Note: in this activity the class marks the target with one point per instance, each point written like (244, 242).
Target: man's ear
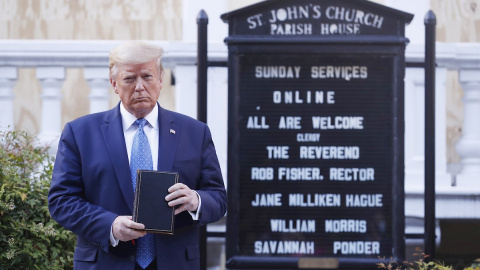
(114, 85)
(162, 75)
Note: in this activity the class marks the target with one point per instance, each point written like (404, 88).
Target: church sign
(316, 134)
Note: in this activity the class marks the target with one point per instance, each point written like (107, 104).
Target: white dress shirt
(151, 130)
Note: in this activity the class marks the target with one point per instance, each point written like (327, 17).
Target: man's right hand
(123, 228)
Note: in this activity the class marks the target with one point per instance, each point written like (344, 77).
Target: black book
(150, 206)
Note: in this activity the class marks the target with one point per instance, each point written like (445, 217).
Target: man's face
(138, 86)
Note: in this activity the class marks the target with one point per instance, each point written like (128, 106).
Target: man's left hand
(183, 197)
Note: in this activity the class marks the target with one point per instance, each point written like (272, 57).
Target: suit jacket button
(132, 258)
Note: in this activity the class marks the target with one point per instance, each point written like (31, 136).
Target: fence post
(202, 22)
(430, 23)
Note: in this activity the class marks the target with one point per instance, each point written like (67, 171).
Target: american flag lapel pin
(172, 131)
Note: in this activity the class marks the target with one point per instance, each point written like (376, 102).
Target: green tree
(29, 237)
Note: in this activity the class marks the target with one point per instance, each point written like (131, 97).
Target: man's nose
(139, 85)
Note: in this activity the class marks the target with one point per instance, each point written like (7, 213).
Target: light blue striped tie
(141, 158)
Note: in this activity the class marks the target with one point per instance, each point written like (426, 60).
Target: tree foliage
(29, 237)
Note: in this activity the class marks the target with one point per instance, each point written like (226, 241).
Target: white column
(186, 90)
(98, 80)
(468, 146)
(8, 78)
(415, 130)
(217, 113)
(442, 177)
(51, 80)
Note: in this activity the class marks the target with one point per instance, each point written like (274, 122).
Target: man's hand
(183, 197)
(123, 228)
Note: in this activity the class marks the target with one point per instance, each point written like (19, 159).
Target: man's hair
(135, 52)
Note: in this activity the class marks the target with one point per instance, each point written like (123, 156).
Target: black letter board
(315, 134)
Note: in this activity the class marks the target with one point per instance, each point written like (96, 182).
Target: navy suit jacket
(91, 186)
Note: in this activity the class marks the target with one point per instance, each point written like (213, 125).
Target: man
(92, 189)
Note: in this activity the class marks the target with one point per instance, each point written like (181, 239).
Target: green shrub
(421, 262)
(29, 237)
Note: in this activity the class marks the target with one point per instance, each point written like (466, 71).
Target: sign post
(316, 134)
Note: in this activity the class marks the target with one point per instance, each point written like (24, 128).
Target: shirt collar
(129, 119)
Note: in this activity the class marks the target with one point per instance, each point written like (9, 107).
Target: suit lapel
(168, 133)
(113, 136)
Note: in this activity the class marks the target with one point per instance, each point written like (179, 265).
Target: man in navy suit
(92, 193)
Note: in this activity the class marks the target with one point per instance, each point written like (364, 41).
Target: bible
(150, 206)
